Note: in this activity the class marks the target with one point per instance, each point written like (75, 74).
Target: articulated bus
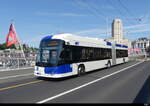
(66, 55)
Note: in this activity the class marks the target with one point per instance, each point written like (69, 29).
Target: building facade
(142, 43)
(117, 33)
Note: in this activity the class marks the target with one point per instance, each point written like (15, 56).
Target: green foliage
(25, 47)
(3, 46)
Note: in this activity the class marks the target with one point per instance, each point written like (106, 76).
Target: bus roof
(83, 41)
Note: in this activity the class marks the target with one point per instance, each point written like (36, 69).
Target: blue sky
(35, 19)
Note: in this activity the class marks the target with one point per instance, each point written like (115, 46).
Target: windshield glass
(49, 52)
(53, 57)
(47, 57)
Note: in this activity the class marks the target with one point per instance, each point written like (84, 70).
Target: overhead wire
(119, 11)
(128, 11)
(92, 9)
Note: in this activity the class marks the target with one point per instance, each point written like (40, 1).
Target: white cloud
(72, 14)
(97, 32)
(59, 14)
(137, 28)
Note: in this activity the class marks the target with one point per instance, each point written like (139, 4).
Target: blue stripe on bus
(47, 38)
(125, 46)
(109, 43)
(118, 45)
(59, 69)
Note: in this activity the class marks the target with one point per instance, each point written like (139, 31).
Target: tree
(3, 46)
(25, 47)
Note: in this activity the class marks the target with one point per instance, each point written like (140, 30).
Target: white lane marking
(2, 78)
(69, 91)
(5, 70)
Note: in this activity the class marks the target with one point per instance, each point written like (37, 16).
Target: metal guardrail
(14, 59)
(16, 63)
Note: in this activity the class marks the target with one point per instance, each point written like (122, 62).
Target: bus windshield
(48, 54)
(47, 57)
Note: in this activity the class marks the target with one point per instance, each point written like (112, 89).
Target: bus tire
(108, 64)
(81, 70)
(124, 60)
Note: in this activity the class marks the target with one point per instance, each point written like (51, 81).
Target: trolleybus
(66, 55)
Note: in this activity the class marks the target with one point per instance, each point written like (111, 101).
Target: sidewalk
(140, 59)
(8, 69)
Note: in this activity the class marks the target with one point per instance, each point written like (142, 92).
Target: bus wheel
(124, 60)
(81, 70)
(108, 64)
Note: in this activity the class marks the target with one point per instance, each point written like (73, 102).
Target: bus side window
(66, 55)
(62, 55)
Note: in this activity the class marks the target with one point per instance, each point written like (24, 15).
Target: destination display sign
(53, 43)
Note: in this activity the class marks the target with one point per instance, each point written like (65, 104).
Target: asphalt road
(125, 83)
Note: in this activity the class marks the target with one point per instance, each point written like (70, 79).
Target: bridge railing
(15, 60)
(16, 63)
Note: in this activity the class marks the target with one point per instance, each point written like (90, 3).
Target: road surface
(125, 83)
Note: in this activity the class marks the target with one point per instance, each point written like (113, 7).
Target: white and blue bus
(66, 55)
